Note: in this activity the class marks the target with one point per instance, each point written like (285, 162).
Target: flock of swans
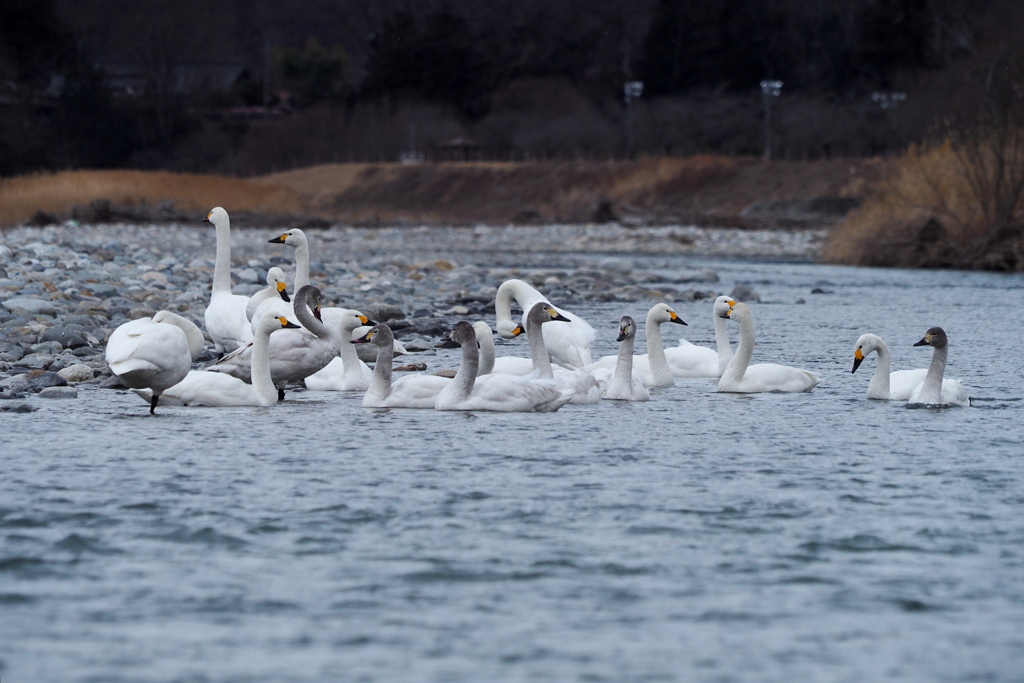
(271, 340)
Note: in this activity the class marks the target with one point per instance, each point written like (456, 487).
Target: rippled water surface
(698, 537)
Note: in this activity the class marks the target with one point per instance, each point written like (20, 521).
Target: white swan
(585, 387)
(741, 377)
(225, 316)
(506, 393)
(568, 343)
(346, 372)
(935, 391)
(154, 353)
(410, 391)
(203, 388)
(296, 354)
(625, 383)
(277, 291)
(689, 360)
(653, 366)
(886, 385)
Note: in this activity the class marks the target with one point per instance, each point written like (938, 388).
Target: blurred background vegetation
(251, 87)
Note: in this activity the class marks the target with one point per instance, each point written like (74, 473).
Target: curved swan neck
(465, 377)
(879, 386)
(656, 350)
(222, 266)
(624, 362)
(538, 352)
(347, 352)
(486, 343)
(380, 383)
(741, 359)
(259, 369)
(307, 319)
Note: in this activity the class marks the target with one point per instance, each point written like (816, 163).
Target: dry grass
(56, 194)
(925, 215)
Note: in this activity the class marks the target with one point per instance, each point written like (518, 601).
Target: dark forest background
(252, 86)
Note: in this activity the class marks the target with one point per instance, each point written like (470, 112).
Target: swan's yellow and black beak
(518, 330)
(287, 324)
(858, 358)
(726, 314)
(278, 240)
(925, 341)
(622, 334)
(366, 321)
(555, 315)
(316, 313)
(673, 318)
(207, 219)
(282, 289)
(366, 338)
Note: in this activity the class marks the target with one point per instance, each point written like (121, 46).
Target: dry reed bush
(56, 194)
(927, 214)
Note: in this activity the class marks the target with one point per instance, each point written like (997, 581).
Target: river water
(697, 537)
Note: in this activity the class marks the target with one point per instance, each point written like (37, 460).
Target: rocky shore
(65, 288)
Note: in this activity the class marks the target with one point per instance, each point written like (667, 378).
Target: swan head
(218, 216)
(271, 324)
(482, 329)
(723, 304)
(663, 313)
(627, 328)
(462, 333)
(543, 313)
(866, 344)
(275, 278)
(293, 238)
(935, 337)
(380, 334)
(352, 320)
(738, 311)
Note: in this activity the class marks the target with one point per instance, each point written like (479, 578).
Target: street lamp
(769, 91)
(631, 90)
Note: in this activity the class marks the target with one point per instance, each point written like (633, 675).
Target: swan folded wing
(764, 377)
(903, 382)
(414, 391)
(690, 360)
(336, 377)
(201, 388)
(517, 394)
(512, 365)
(952, 393)
(294, 355)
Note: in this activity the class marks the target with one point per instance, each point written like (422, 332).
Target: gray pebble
(58, 392)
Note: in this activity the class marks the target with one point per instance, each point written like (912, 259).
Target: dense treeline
(518, 78)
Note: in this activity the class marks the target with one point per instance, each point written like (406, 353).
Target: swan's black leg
(152, 404)
(280, 394)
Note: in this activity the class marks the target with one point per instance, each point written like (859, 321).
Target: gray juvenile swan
(410, 391)
(934, 391)
(507, 393)
(653, 365)
(625, 383)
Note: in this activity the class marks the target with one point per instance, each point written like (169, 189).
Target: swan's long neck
(380, 383)
(350, 357)
(503, 305)
(301, 265)
(722, 343)
(486, 342)
(222, 266)
(462, 384)
(538, 352)
(879, 385)
(931, 391)
(256, 299)
(737, 366)
(307, 319)
(259, 368)
(660, 369)
(624, 363)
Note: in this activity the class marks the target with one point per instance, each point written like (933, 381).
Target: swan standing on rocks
(506, 393)
(585, 387)
(689, 360)
(886, 385)
(410, 391)
(742, 377)
(225, 318)
(293, 355)
(203, 388)
(346, 372)
(653, 365)
(934, 391)
(568, 344)
(276, 290)
(626, 384)
(154, 353)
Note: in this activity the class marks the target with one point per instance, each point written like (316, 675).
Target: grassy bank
(702, 189)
